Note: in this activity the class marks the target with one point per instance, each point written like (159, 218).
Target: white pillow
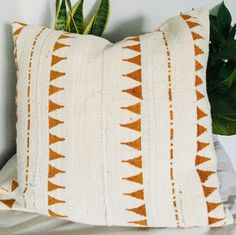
(117, 134)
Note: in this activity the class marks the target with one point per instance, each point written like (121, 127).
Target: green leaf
(232, 32)
(230, 79)
(228, 53)
(224, 20)
(99, 21)
(61, 15)
(76, 20)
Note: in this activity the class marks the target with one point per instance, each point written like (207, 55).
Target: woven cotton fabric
(117, 134)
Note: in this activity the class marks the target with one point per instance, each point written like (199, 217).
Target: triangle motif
(198, 65)
(140, 222)
(52, 186)
(136, 75)
(53, 171)
(54, 89)
(136, 39)
(200, 114)
(53, 201)
(64, 36)
(136, 144)
(199, 95)
(135, 60)
(198, 50)
(200, 130)
(59, 45)
(136, 48)
(141, 210)
(14, 185)
(212, 206)
(53, 214)
(204, 175)
(57, 59)
(201, 145)
(208, 190)
(53, 122)
(55, 74)
(54, 139)
(135, 91)
(186, 17)
(212, 220)
(196, 36)
(137, 162)
(9, 203)
(136, 126)
(54, 155)
(18, 31)
(199, 160)
(53, 106)
(136, 108)
(198, 81)
(138, 194)
(192, 24)
(136, 178)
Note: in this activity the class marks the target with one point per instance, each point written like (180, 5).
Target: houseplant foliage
(71, 19)
(221, 72)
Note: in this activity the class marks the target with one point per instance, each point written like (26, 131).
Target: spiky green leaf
(61, 15)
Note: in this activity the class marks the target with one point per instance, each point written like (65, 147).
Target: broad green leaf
(232, 32)
(230, 79)
(98, 23)
(216, 36)
(222, 126)
(61, 15)
(224, 20)
(76, 21)
(228, 53)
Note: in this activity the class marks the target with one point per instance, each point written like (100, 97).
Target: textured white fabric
(117, 134)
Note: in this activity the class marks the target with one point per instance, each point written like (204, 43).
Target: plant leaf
(98, 23)
(61, 15)
(224, 20)
(232, 32)
(230, 80)
(76, 19)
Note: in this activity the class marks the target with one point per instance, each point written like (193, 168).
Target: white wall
(128, 17)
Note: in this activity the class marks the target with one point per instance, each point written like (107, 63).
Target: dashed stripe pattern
(201, 130)
(135, 126)
(55, 123)
(171, 119)
(29, 109)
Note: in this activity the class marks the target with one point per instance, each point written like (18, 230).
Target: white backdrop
(128, 17)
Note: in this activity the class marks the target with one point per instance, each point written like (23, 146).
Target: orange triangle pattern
(14, 185)
(18, 31)
(212, 206)
(198, 81)
(53, 106)
(136, 178)
(199, 95)
(53, 122)
(133, 125)
(214, 220)
(54, 89)
(134, 47)
(136, 144)
(204, 175)
(55, 74)
(186, 17)
(54, 155)
(208, 190)
(135, 91)
(64, 36)
(198, 65)
(58, 46)
(197, 36)
(141, 210)
(192, 24)
(200, 130)
(200, 114)
(136, 108)
(138, 194)
(52, 186)
(199, 160)
(57, 59)
(53, 214)
(54, 139)
(53, 201)
(135, 60)
(201, 145)
(136, 75)
(136, 39)
(137, 162)
(140, 222)
(53, 171)
(9, 202)
(198, 50)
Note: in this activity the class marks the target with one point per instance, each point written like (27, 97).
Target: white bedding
(14, 222)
